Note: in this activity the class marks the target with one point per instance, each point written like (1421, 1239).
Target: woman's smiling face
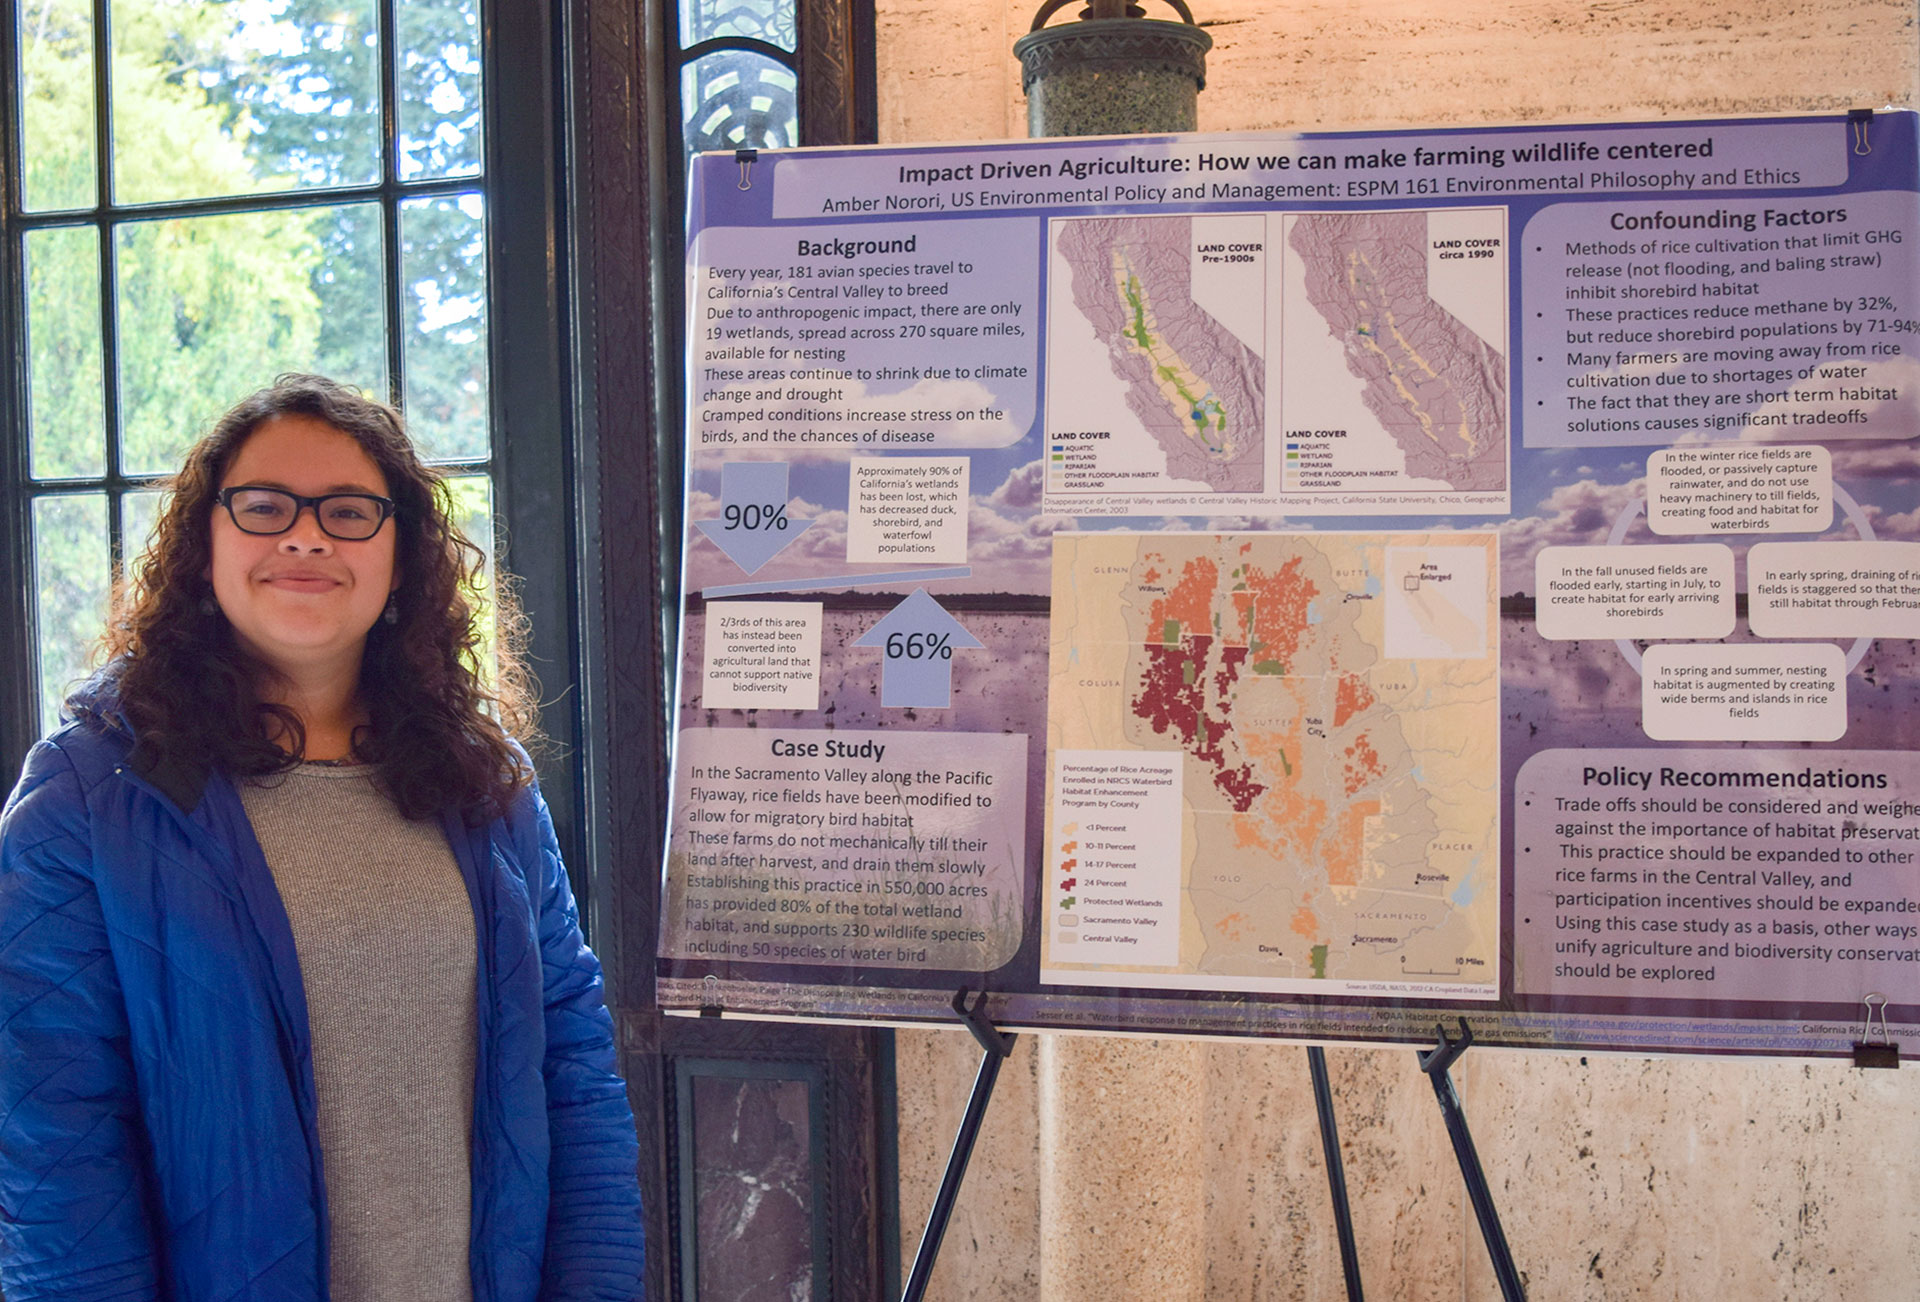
(302, 601)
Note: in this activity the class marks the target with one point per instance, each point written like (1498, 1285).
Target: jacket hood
(98, 702)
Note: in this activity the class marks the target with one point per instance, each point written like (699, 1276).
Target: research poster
(1310, 586)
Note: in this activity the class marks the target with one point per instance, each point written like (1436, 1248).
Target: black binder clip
(710, 996)
(745, 158)
(1875, 1047)
(1858, 120)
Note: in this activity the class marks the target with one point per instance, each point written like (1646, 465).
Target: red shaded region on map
(1174, 698)
(1231, 659)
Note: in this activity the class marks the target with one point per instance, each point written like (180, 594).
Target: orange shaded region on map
(1191, 601)
(1289, 821)
(1304, 923)
(1243, 615)
(1275, 611)
(1351, 696)
(1345, 846)
(1363, 764)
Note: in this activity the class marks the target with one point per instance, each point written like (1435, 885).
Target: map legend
(1116, 870)
(1313, 461)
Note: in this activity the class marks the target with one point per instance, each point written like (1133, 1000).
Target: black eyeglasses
(352, 517)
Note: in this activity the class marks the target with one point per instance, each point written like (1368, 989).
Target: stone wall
(1125, 1169)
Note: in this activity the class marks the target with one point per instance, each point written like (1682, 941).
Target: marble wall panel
(753, 1189)
(1123, 1130)
(992, 1249)
(1270, 1227)
(1622, 1177)
(947, 72)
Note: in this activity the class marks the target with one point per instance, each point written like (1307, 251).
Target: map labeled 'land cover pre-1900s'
(1176, 304)
(1274, 763)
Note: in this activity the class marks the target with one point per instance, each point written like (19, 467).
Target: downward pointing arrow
(918, 637)
(753, 527)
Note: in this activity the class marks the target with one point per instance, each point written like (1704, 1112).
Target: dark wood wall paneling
(626, 274)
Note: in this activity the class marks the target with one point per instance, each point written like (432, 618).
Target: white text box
(907, 509)
(1785, 692)
(1678, 590)
(762, 655)
(1844, 589)
(1740, 489)
(1114, 893)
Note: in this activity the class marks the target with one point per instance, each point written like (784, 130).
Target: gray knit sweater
(385, 936)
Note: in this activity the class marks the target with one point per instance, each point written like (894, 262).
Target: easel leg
(995, 1047)
(1336, 1170)
(1436, 1062)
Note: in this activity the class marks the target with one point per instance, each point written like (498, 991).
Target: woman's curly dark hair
(438, 736)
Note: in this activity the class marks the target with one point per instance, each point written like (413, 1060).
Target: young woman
(293, 1000)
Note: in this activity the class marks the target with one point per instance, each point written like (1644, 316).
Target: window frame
(631, 159)
(529, 393)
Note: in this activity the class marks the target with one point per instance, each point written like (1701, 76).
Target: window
(202, 194)
(738, 85)
(199, 194)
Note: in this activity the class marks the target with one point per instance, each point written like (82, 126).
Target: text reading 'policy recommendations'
(1770, 876)
(846, 849)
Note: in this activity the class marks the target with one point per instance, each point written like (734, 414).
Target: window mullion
(104, 228)
(102, 103)
(19, 715)
(386, 23)
(530, 417)
(268, 201)
(109, 272)
(117, 534)
(395, 302)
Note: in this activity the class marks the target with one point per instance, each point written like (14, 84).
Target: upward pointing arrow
(753, 527)
(917, 638)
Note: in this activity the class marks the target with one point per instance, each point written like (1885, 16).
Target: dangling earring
(391, 615)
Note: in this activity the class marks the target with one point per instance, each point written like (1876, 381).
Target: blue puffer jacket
(157, 1119)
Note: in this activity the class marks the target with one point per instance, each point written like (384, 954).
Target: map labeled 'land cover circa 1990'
(1274, 763)
(1380, 281)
